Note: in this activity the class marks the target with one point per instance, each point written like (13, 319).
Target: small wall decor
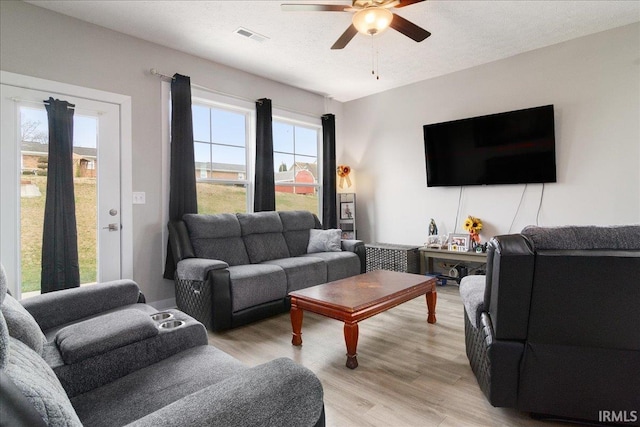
(346, 210)
(343, 174)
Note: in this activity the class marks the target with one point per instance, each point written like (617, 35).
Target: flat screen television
(515, 147)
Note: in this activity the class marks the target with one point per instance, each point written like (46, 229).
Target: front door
(23, 177)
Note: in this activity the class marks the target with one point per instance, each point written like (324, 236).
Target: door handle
(112, 227)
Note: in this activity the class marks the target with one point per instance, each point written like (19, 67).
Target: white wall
(44, 44)
(594, 84)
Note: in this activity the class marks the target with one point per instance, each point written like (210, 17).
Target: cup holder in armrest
(171, 324)
(161, 316)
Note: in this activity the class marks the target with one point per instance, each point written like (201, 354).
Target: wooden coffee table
(359, 297)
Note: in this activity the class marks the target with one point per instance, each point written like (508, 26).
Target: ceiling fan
(371, 17)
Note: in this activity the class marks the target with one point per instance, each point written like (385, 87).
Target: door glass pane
(33, 185)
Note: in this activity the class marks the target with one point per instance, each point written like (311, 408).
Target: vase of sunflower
(473, 226)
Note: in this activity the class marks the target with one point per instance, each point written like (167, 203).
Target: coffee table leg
(351, 339)
(296, 324)
(431, 306)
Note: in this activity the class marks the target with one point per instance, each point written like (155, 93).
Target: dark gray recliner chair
(193, 385)
(553, 328)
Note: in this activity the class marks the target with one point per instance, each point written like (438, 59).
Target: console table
(428, 254)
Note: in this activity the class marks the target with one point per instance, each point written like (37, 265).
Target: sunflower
(472, 224)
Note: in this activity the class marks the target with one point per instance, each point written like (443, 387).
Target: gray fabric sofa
(134, 375)
(552, 329)
(233, 269)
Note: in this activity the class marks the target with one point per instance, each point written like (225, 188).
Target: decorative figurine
(433, 229)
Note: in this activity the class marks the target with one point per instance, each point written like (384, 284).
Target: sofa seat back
(217, 237)
(262, 235)
(295, 227)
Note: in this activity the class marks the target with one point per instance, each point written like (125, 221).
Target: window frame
(296, 119)
(225, 103)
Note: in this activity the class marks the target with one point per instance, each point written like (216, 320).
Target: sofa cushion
(302, 272)
(262, 234)
(623, 237)
(37, 382)
(149, 389)
(324, 241)
(22, 325)
(296, 226)
(255, 284)
(101, 334)
(339, 264)
(217, 237)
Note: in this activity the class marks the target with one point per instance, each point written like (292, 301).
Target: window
(295, 157)
(220, 147)
(224, 151)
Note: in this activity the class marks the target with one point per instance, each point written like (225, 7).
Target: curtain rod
(30, 101)
(155, 72)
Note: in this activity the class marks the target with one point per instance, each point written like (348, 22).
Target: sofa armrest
(357, 247)
(198, 268)
(179, 241)
(277, 393)
(60, 307)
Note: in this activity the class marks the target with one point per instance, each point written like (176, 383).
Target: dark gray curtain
(265, 191)
(182, 180)
(60, 268)
(329, 207)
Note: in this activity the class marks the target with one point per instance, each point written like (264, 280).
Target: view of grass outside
(32, 221)
(212, 198)
(218, 198)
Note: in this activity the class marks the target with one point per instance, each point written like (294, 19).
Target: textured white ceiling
(464, 34)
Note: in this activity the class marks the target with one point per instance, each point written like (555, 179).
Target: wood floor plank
(410, 373)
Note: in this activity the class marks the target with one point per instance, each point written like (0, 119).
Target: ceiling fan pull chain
(372, 59)
(377, 64)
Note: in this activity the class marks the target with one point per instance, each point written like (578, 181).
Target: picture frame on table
(459, 242)
(348, 235)
(346, 210)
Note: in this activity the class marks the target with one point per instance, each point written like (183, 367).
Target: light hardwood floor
(410, 373)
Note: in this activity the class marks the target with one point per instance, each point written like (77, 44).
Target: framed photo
(348, 235)
(346, 210)
(459, 242)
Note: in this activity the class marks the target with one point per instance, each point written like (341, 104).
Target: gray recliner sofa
(98, 363)
(233, 269)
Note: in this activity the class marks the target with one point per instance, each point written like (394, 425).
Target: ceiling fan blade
(408, 28)
(345, 38)
(403, 3)
(312, 7)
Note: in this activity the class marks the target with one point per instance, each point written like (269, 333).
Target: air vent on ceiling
(251, 34)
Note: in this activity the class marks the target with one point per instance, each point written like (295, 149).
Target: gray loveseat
(233, 269)
(89, 368)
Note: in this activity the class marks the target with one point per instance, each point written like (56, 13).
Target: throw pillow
(324, 240)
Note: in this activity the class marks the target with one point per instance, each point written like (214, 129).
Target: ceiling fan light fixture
(372, 20)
